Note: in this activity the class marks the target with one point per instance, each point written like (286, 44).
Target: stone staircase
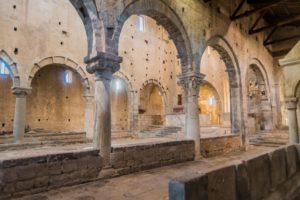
(273, 138)
(39, 138)
(159, 131)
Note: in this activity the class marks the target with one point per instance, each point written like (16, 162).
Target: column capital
(191, 82)
(20, 91)
(291, 103)
(102, 63)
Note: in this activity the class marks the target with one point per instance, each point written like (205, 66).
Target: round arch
(222, 46)
(66, 62)
(13, 68)
(129, 90)
(94, 27)
(255, 62)
(216, 101)
(161, 90)
(296, 88)
(164, 16)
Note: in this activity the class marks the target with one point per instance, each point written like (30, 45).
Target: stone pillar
(89, 115)
(103, 66)
(20, 113)
(291, 105)
(190, 83)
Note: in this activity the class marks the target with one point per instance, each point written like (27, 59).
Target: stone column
(20, 113)
(103, 66)
(89, 115)
(190, 83)
(291, 105)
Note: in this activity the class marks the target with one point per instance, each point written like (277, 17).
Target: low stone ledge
(29, 175)
(275, 174)
(220, 145)
(128, 159)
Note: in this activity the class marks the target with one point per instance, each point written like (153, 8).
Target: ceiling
(282, 22)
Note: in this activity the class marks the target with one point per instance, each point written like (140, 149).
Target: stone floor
(152, 184)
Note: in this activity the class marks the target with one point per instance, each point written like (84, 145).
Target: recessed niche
(14, 6)
(59, 23)
(61, 43)
(3, 124)
(16, 51)
(39, 120)
(69, 120)
(15, 28)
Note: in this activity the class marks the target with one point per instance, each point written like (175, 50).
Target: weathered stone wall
(52, 102)
(30, 175)
(128, 159)
(274, 175)
(7, 104)
(220, 145)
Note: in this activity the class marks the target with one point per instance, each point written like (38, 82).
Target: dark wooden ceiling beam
(206, 1)
(280, 53)
(283, 22)
(282, 40)
(247, 13)
(270, 35)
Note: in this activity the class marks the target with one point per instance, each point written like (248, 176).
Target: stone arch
(166, 17)
(121, 75)
(161, 89)
(219, 101)
(63, 61)
(13, 68)
(88, 11)
(257, 63)
(215, 89)
(130, 95)
(222, 46)
(296, 87)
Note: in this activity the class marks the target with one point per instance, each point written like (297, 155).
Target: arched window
(141, 23)
(3, 68)
(68, 76)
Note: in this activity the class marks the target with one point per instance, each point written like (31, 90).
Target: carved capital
(21, 92)
(103, 62)
(190, 82)
(291, 103)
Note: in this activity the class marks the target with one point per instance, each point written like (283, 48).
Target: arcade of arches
(104, 75)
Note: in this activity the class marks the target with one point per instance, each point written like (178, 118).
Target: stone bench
(270, 176)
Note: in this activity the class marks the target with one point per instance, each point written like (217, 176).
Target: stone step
(160, 132)
(266, 138)
(10, 147)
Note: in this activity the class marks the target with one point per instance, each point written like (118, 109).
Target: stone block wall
(270, 176)
(215, 146)
(31, 175)
(147, 156)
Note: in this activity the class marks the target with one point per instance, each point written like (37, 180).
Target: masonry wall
(217, 146)
(128, 159)
(55, 104)
(7, 104)
(31, 175)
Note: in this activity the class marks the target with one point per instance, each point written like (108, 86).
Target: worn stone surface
(292, 159)
(278, 167)
(216, 146)
(222, 184)
(259, 172)
(30, 175)
(189, 188)
(128, 159)
(242, 182)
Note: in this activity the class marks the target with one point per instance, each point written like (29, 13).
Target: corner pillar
(20, 113)
(190, 83)
(291, 105)
(103, 66)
